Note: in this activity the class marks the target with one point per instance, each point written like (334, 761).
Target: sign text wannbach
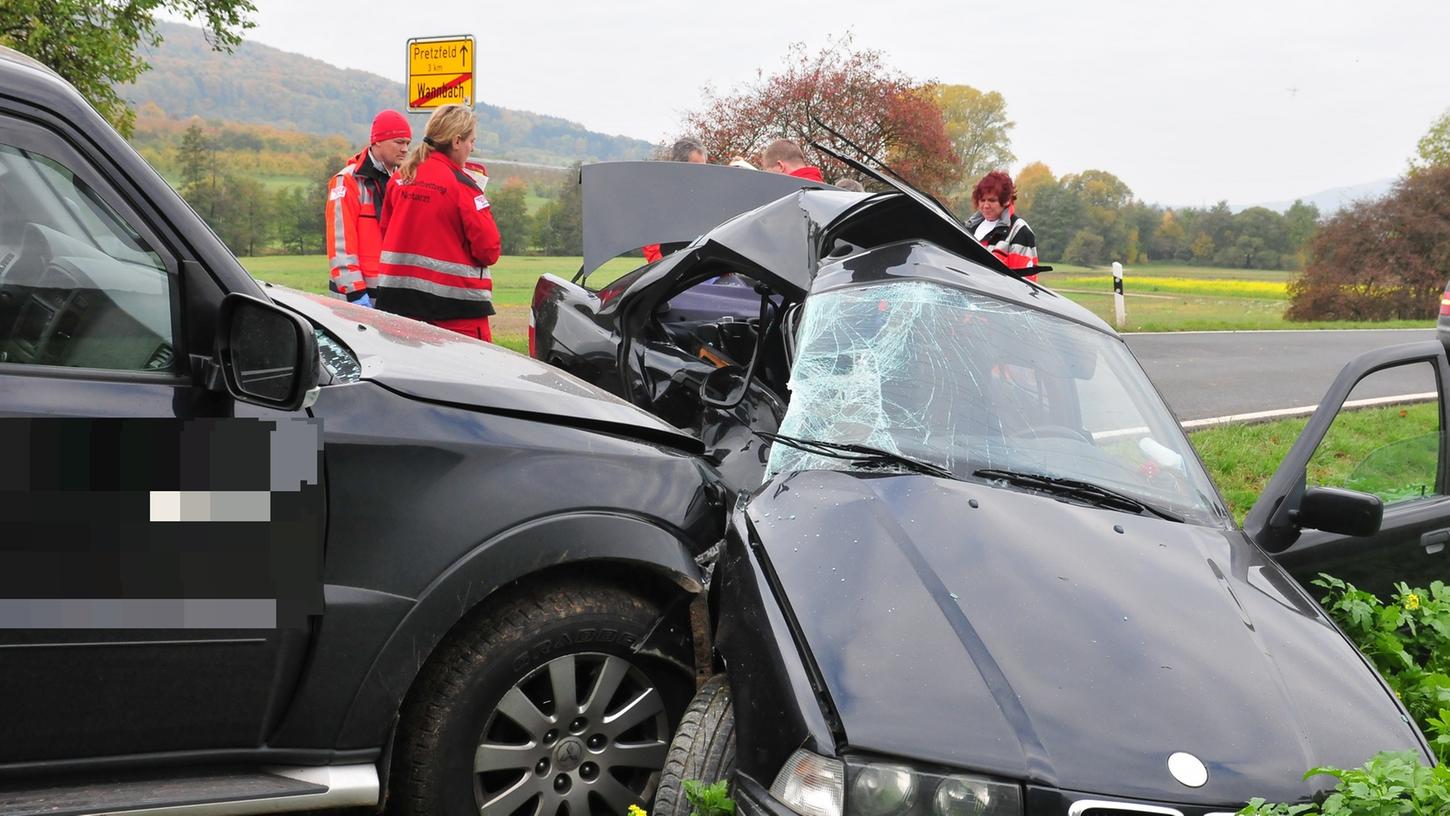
(440, 72)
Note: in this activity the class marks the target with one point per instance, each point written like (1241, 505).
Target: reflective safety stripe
(346, 272)
(425, 262)
(386, 281)
(1019, 249)
(364, 194)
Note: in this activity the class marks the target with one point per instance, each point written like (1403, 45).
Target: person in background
(785, 156)
(354, 201)
(685, 150)
(850, 185)
(439, 238)
(997, 227)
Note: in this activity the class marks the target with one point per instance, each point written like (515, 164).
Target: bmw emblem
(1188, 769)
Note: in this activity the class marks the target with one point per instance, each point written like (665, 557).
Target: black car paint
(1075, 656)
(450, 469)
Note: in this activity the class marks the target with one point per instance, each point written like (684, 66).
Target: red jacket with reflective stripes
(438, 241)
(354, 238)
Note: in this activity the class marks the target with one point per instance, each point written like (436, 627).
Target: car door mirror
(724, 387)
(1341, 511)
(268, 355)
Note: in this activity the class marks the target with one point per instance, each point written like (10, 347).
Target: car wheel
(703, 747)
(537, 706)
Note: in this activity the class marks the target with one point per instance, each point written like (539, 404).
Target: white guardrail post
(1119, 310)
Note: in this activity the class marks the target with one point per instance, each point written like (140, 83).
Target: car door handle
(1434, 541)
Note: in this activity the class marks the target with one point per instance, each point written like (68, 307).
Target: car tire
(703, 747)
(483, 733)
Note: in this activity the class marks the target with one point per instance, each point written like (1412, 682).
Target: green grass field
(1387, 451)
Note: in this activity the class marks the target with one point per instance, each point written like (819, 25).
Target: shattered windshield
(968, 382)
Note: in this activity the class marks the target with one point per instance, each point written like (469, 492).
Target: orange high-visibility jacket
(354, 234)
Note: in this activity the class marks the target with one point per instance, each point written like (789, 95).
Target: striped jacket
(439, 240)
(354, 237)
(1012, 241)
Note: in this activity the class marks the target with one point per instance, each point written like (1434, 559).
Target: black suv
(264, 551)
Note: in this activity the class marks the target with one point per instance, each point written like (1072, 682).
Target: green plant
(1408, 640)
(1390, 784)
(709, 800)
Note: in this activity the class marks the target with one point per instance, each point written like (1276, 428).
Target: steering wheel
(1056, 432)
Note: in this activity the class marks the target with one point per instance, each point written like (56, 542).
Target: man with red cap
(354, 207)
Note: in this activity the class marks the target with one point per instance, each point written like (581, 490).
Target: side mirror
(268, 355)
(1336, 510)
(724, 387)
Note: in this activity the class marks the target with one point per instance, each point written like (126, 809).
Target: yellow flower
(636, 810)
(1412, 602)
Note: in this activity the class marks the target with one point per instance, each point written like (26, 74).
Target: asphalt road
(1213, 374)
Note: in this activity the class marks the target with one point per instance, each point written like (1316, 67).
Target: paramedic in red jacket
(785, 156)
(439, 238)
(354, 199)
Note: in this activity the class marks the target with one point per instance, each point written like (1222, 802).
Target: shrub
(1380, 260)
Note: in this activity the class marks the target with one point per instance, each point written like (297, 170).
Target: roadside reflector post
(1119, 310)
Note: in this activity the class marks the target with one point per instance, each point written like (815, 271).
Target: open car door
(1380, 432)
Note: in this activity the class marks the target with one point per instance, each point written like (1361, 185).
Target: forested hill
(264, 85)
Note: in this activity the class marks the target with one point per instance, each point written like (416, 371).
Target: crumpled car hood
(1026, 637)
(433, 364)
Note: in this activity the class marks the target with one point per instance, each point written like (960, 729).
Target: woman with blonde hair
(439, 238)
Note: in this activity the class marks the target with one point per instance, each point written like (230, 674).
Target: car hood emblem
(1188, 769)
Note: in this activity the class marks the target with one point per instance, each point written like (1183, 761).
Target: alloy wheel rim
(582, 734)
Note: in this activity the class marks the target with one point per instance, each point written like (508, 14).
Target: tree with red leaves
(1380, 260)
(853, 91)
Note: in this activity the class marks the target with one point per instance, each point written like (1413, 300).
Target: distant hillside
(1335, 199)
(264, 85)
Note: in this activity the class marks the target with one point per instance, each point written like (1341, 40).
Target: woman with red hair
(998, 227)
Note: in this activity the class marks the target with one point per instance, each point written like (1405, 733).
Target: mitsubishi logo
(568, 754)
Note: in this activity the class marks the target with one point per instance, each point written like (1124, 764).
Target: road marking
(1274, 331)
(1266, 416)
(1304, 410)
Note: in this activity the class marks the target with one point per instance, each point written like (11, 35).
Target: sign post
(440, 72)
(1119, 311)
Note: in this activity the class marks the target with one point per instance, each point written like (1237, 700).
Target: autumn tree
(885, 112)
(977, 125)
(1384, 260)
(1433, 149)
(94, 43)
(1034, 177)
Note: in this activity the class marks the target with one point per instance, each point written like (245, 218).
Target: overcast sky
(1188, 103)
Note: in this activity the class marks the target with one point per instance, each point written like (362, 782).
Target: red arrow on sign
(440, 90)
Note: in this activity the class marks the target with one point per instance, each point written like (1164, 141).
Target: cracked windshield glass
(969, 382)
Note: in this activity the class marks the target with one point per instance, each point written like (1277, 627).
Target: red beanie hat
(390, 125)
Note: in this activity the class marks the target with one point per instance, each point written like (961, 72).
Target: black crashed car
(974, 567)
(263, 551)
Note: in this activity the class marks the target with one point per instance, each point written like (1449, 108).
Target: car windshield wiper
(861, 454)
(1086, 491)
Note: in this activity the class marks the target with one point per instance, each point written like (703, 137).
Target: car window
(79, 285)
(1386, 438)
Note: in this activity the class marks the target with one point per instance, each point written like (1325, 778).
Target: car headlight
(814, 785)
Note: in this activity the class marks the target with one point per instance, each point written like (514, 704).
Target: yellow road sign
(440, 72)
